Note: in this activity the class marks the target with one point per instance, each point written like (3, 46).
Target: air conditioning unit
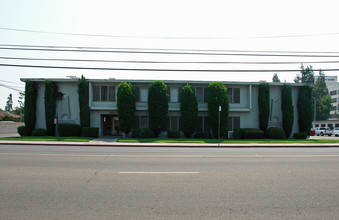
(230, 134)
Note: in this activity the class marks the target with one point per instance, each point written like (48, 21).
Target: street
(65, 182)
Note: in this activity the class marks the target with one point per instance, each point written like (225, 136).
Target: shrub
(126, 106)
(39, 132)
(30, 106)
(68, 129)
(305, 109)
(264, 105)
(173, 134)
(217, 96)
(189, 110)
(157, 106)
(202, 134)
(83, 91)
(287, 109)
(90, 132)
(300, 135)
(275, 133)
(248, 133)
(141, 133)
(22, 130)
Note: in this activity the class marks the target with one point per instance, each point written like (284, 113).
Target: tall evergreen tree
(323, 99)
(126, 106)
(83, 91)
(306, 75)
(275, 78)
(305, 109)
(189, 110)
(50, 105)
(287, 109)
(157, 106)
(9, 103)
(264, 105)
(30, 106)
(217, 96)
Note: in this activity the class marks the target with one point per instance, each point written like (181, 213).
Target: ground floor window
(233, 123)
(203, 124)
(174, 123)
(140, 121)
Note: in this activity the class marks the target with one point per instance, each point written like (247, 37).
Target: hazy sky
(185, 24)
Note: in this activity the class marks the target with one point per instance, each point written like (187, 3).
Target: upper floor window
(141, 94)
(202, 94)
(104, 93)
(233, 95)
(174, 94)
(334, 92)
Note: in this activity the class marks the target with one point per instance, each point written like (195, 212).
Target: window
(141, 94)
(233, 123)
(104, 93)
(316, 125)
(140, 121)
(174, 94)
(233, 95)
(173, 123)
(202, 94)
(203, 124)
(334, 92)
(334, 108)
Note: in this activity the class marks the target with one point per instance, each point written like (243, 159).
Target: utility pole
(219, 125)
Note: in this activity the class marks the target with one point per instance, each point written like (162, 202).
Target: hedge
(173, 134)
(68, 129)
(202, 134)
(22, 130)
(275, 133)
(248, 133)
(141, 133)
(90, 132)
(39, 132)
(300, 135)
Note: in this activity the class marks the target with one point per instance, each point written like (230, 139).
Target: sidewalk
(106, 142)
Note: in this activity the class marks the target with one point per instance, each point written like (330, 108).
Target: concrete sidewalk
(105, 142)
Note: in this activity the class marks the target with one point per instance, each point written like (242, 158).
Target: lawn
(225, 141)
(48, 138)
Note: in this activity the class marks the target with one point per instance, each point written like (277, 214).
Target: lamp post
(315, 108)
(219, 125)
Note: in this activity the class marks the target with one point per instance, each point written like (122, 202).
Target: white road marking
(122, 172)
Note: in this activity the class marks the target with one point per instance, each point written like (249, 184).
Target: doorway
(110, 125)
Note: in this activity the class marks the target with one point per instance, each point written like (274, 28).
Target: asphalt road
(64, 182)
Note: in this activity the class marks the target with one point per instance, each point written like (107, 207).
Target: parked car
(323, 131)
(336, 132)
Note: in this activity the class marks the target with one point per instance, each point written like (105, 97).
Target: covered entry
(110, 125)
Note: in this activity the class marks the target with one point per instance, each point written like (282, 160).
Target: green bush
(39, 132)
(202, 134)
(22, 130)
(90, 132)
(141, 133)
(248, 133)
(68, 129)
(157, 106)
(188, 110)
(126, 106)
(83, 91)
(173, 134)
(275, 133)
(264, 105)
(217, 96)
(300, 135)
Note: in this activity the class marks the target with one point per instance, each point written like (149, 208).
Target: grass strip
(48, 138)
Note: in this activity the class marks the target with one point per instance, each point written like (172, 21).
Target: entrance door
(110, 125)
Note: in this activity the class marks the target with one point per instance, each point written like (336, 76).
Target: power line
(11, 87)
(166, 37)
(10, 82)
(166, 52)
(164, 49)
(164, 62)
(157, 70)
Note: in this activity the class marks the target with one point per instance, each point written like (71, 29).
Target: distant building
(328, 79)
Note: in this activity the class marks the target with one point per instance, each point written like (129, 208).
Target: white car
(336, 132)
(323, 131)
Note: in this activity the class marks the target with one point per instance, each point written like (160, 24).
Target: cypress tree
(126, 106)
(217, 96)
(305, 110)
(287, 109)
(189, 110)
(264, 105)
(50, 105)
(30, 106)
(83, 91)
(157, 106)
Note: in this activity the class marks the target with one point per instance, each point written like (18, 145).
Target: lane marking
(157, 172)
(169, 156)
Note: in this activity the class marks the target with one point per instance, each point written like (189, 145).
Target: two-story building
(243, 103)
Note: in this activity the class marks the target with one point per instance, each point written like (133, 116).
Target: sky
(189, 25)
